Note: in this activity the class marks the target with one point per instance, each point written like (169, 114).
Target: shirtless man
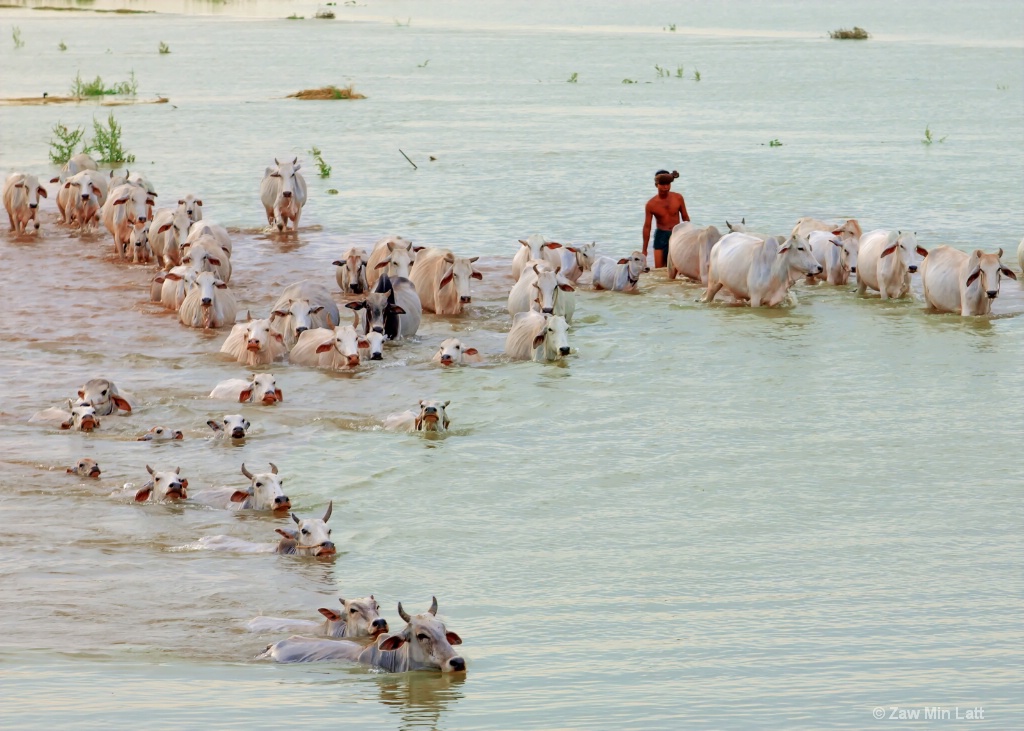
(668, 209)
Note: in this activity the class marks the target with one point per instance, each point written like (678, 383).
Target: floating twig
(407, 158)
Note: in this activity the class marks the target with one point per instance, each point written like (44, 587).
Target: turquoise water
(707, 517)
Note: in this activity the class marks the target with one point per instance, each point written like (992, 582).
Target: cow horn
(433, 605)
(330, 507)
(403, 614)
(295, 518)
(273, 468)
(149, 469)
(246, 472)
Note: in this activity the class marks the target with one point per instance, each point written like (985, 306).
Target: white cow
(337, 349)
(81, 417)
(283, 193)
(161, 434)
(358, 618)
(21, 199)
(577, 259)
(126, 207)
(1020, 254)
(351, 272)
(103, 396)
(85, 467)
(689, 251)
(622, 275)
(431, 416)
(424, 644)
(454, 352)
(83, 195)
(958, 282)
(313, 537)
(538, 337)
(541, 288)
(171, 287)
(885, 262)
(205, 254)
(442, 280)
(193, 208)
(533, 247)
(209, 304)
(393, 252)
(392, 309)
(209, 228)
(254, 343)
(759, 271)
(265, 492)
(837, 256)
(231, 426)
(374, 349)
(302, 306)
(163, 486)
(75, 165)
(169, 230)
(261, 388)
(138, 243)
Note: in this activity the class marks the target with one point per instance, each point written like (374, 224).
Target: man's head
(664, 178)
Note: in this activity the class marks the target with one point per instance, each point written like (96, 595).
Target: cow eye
(104, 392)
(328, 531)
(259, 484)
(305, 532)
(422, 637)
(159, 431)
(351, 611)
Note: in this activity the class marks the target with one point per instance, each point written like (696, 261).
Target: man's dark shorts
(661, 238)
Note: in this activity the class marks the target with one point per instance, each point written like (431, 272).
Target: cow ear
(453, 639)
(397, 309)
(164, 228)
(277, 336)
(324, 347)
(213, 425)
(921, 251)
(199, 203)
(566, 288)
(215, 262)
(538, 341)
(238, 496)
(470, 351)
(57, 179)
(524, 243)
(122, 404)
(623, 261)
(552, 245)
(329, 613)
(173, 277)
(356, 305)
(338, 263)
(1008, 272)
(973, 275)
(476, 275)
(446, 278)
(888, 251)
(280, 395)
(287, 533)
(181, 201)
(66, 425)
(245, 395)
(81, 393)
(383, 263)
(390, 642)
(42, 192)
(143, 495)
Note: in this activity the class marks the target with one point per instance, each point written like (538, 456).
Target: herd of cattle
(387, 291)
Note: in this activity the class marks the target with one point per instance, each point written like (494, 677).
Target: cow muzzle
(206, 302)
(353, 360)
(378, 627)
(94, 472)
(913, 268)
(253, 345)
(465, 300)
(853, 270)
(88, 423)
(300, 330)
(356, 288)
(992, 293)
(454, 665)
(326, 549)
(376, 356)
(287, 194)
(33, 206)
(176, 492)
(281, 502)
(85, 196)
(563, 350)
(447, 360)
(548, 310)
(270, 397)
(238, 433)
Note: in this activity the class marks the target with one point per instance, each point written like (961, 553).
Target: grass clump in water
(63, 46)
(774, 143)
(855, 34)
(323, 168)
(16, 35)
(82, 89)
(324, 14)
(163, 48)
(929, 139)
(328, 92)
(295, 16)
(573, 79)
(106, 142)
(64, 143)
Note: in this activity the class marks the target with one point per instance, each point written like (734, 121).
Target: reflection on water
(420, 698)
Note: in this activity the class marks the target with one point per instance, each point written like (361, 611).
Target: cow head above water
(432, 416)
(262, 388)
(312, 537)
(430, 642)
(460, 270)
(164, 486)
(234, 426)
(102, 395)
(266, 491)
(85, 467)
(359, 617)
(81, 417)
(988, 269)
(161, 434)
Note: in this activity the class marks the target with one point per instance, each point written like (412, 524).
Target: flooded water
(706, 517)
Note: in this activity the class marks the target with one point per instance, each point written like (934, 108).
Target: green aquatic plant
(62, 46)
(696, 75)
(324, 13)
(679, 71)
(671, 27)
(629, 81)
(322, 167)
(64, 144)
(106, 142)
(423, 65)
(295, 16)
(843, 34)
(163, 48)
(928, 138)
(332, 191)
(81, 88)
(16, 34)
(661, 71)
(774, 143)
(573, 78)
(406, 24)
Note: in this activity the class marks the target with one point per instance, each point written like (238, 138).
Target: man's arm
(647, 226)
(682, 209)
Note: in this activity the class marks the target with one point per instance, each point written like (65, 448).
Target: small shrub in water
(294, 16)
(81, 88)
(324, 13)
(164, 48)
(928, 139)
(774, 143)
(63, 46)
(423, 65)
(856, 34)
(671, 27)
(16, 35)
(573, 78)
(661, 71)
(629, 81)
(679, 71)
(106, 142)
(696, 75)
(64, 143)
(322, 167)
